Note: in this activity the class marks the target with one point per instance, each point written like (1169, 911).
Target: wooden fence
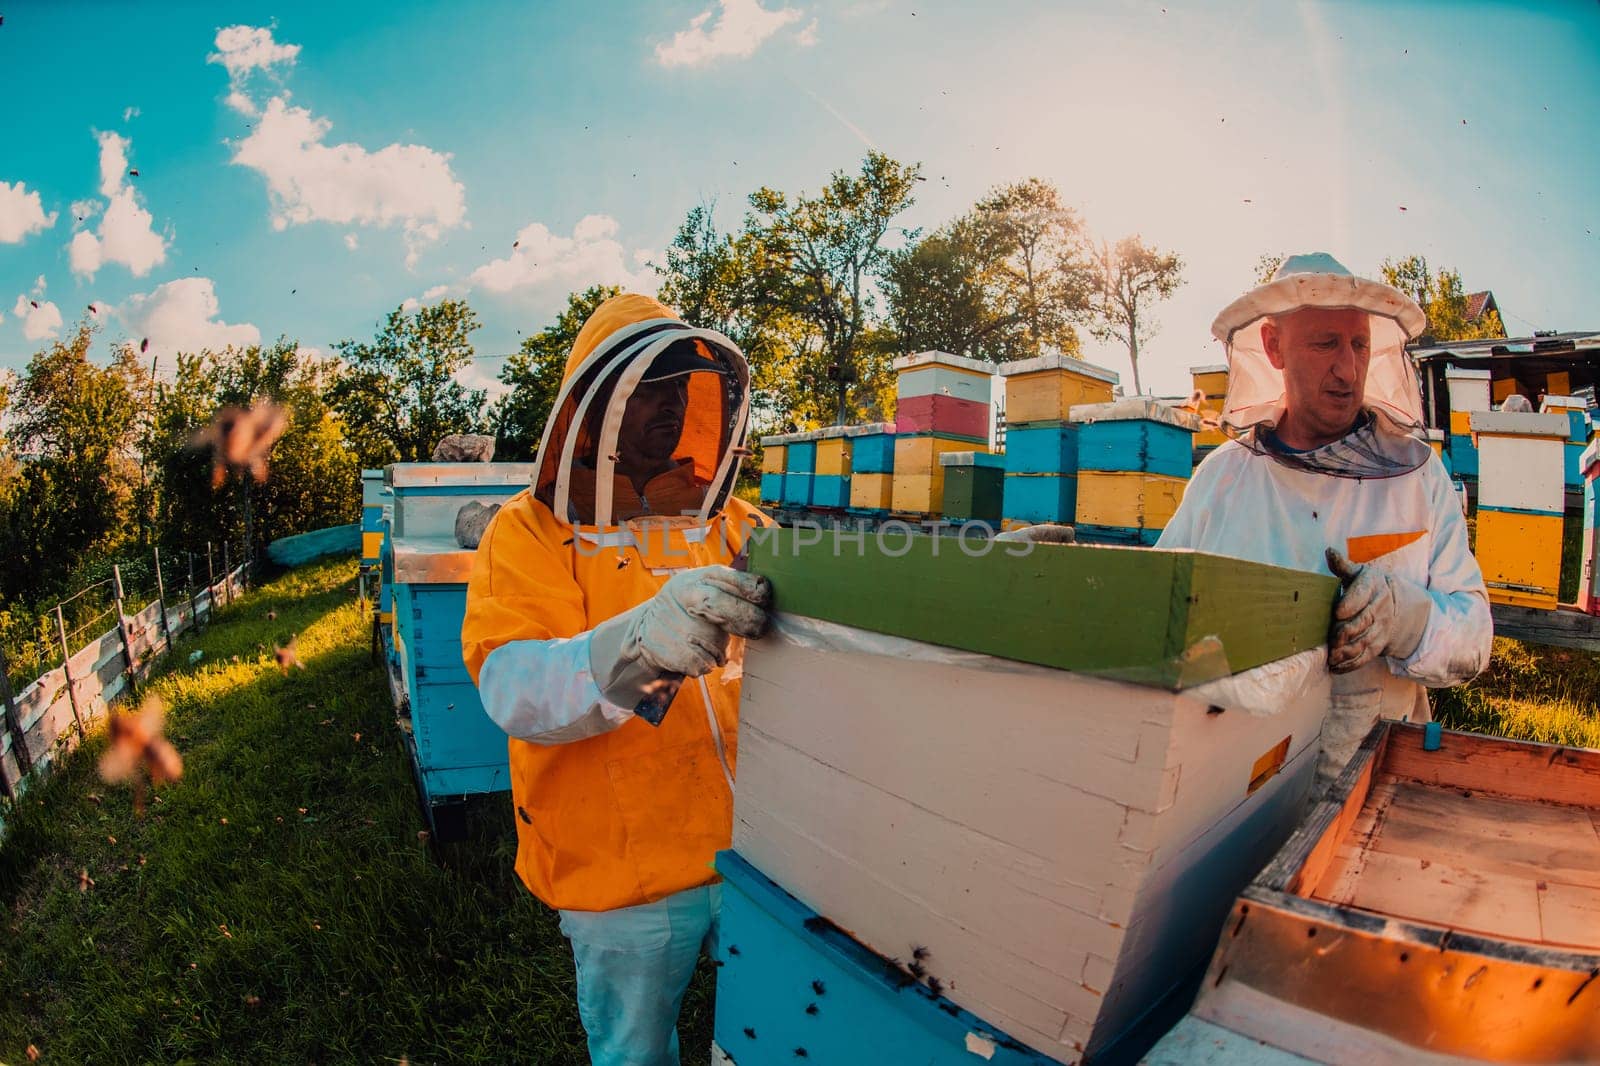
(50, 716)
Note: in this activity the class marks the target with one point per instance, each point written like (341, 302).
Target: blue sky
(334, 161)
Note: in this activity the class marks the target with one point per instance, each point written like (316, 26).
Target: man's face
(652, 423)
(1323, 353)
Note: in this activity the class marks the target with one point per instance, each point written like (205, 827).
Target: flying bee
(919, 953)
(240, 439)
(288, 655)
(135, 742)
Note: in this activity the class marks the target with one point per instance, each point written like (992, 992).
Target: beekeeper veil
(1388, 440)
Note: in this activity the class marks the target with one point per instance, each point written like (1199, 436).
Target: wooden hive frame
(1339, 983)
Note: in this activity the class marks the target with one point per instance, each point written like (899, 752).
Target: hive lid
(1520, 424)
(1214, 368)
(1134, 408)
(441, 475)
(1168, 619)
(905, 363)
(1563, 403)
(972, 459)
(1463, 373)
(431, 560)
(1057, 362)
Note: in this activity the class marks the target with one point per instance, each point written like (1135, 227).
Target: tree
(941, 295)
(1043, 275)
(1443, 299)
(533, 374)
(1131, 276)
(817, 257)
(398, 395)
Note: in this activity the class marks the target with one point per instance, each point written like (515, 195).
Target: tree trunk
(1133, 352)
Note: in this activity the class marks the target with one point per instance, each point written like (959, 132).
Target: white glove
(1376, 614)
(1045, 533)
(682, 630)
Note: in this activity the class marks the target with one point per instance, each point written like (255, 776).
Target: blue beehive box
(1574, 466)
(846, 1005)
(873, 453)
(771, 488)
(1040, 497)
(1042, 448)
(830, 490)
(797, 486)
(802, 458)
(1463, 456)
(1136, 445)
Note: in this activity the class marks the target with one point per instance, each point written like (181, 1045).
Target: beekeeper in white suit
(1327, 470)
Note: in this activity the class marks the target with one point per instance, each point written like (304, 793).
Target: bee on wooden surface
(936, 986)
(749, 1032)
(136, 742)
(819, 988)
(920, 953)
(811, 1009)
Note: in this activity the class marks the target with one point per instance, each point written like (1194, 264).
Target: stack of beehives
(943, 406)
(1134, 460)
(1041, 465)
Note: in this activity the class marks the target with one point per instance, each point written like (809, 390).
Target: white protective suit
(1247, 502)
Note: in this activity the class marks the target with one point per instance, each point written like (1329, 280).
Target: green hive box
(973, 485)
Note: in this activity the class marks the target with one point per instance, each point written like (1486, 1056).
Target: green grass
(346, 938)
(1529, 692)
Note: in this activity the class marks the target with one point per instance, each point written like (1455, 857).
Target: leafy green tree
(398, 395)
(1267, 265)
(1130, 277)
(941, 295)
(1043, 275)
(533, 374)
(816, 259)
(1443, 298)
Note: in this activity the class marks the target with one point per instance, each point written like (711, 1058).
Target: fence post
(66, 670)
(161, 601)
(211, 583)
(227, 573)
(19, 739)
(194, 596)
(122, 626)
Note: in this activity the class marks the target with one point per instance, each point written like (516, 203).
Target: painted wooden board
(873, 454)
(1033, 498)
(1211, 380)
(372, 487)
(920, 454)
(833, 457)
(797, 489)
(1050, 393)
(1139, 446)
(1128, 500)
(830, 490)
(1164, 618)
(1521, 472)
(918, 493)
(943, 374)
(802, 458)
(972, 492)
(938, 413)
(871, 492)
(1469, 389)
(1463, 457)
(772, 459)
(771, 488)
(1520, 555)
(1051, 449)
(1065, 857)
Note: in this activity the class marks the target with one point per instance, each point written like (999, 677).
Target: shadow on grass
(277, 904)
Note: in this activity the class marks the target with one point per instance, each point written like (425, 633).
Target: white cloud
(410, 304)
(21, 213)
(38, 285)
(309, 181)
(40, 318)
(127, 234)
(434, 293)
(129, 114)
(83, 210)
(242, 49)
(740, 28)
(351, 241)
(808, 36)
(540, 259)
(182, 316)
(242, 104)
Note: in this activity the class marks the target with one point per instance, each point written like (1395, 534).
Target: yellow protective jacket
(632, 813)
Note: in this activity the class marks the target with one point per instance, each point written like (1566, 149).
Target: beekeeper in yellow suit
(600, 597)
(1327, 470)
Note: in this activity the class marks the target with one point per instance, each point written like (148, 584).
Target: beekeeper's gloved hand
(1377, 614)
(682, 629)
(1044, 533)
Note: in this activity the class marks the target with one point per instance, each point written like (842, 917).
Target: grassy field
(277, 905)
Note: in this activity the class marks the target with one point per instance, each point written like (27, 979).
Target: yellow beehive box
(1558, 383)
(772, 458)
(1499, 390)
(1045, 388)
(833, 456)
(919, 456)
(1128, 499)
(918, 493)
(1460, 423)
(371, 545)
(1212, 381)
(1520, 555)
(871, 492)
